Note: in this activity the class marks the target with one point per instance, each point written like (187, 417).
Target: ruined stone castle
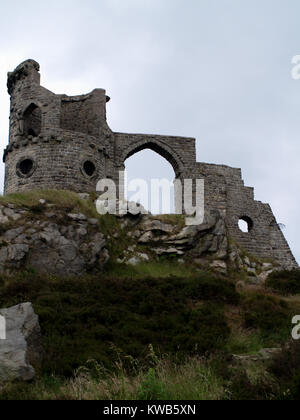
(64, 142)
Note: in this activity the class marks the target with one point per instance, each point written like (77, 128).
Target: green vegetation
(160, 330)
(80, 317)
(157, 269)
(165, 378)
(285, 282)
(97, 332)
(62, 199)
(268, 315)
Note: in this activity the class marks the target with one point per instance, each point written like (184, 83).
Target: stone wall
(63, 142)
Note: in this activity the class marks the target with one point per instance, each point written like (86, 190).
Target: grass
(80, 317)
(285, 282)
(62, 199)
(164, 378)
(244, 341)
(270, 316)
(97, 330)
(158, 269)
(193, 379)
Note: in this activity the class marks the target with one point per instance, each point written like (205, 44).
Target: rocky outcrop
(56, 241)
(21, 350)
(52, 241)
(206, 244)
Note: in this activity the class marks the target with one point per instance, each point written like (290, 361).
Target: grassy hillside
(101, 329)
(163, 329)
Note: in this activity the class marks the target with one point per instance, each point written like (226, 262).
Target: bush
(81, 317)
(270, 316)
(286, 282)
(286, 369)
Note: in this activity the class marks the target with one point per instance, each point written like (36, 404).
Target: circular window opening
(89, 168)
(245, 224)
(25, 168)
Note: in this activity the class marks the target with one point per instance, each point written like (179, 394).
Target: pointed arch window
(32, 121)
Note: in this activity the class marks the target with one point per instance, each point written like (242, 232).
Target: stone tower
(55, 141)
(64, 142)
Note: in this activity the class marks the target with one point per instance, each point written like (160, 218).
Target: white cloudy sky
(217, 70)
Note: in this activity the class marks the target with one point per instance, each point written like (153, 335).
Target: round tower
(55, 141)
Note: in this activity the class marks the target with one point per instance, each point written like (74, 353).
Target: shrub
(81, 317)
(270, 316)
(286, 282)
(286, 369)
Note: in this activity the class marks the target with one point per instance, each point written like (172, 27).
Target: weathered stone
(247, 261)
(3, 220)
(81, 232)
(77, 217)
(167, 251)
(267, 266)
(22, 348)
(12, 234)
(50, 215)
(147, 237)
(264, 275)
(93, 222)
(53, 249)
(84, 196)
(251, 270)
(12, 255)
(219, 266)
(142, 256)
(156, 225)
(133, 261)
(64, 142)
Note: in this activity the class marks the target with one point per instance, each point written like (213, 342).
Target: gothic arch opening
(160, 148)
(149, 179)
(32, 120)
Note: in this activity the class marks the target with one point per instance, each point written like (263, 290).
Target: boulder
(21, 351)
(219, 266)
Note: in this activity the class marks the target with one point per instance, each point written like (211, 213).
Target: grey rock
(22, 348)
(12, 255)
(251, 270)
(147, 237)
(12, 234)
(50, 215)
(93, 222)
(84, 196)
(3, 220)
(143, 256)
(219, 266)
(156, 225)
(264, 275)
(247, 261)
(167, 251)
(267, 266)
(133, 261)
(77, 217)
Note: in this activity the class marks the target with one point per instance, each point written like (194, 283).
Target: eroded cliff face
(64, 236)
(51, 241)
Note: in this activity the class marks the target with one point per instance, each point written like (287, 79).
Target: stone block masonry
(64, 142)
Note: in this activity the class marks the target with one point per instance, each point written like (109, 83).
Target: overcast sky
(216, 70)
